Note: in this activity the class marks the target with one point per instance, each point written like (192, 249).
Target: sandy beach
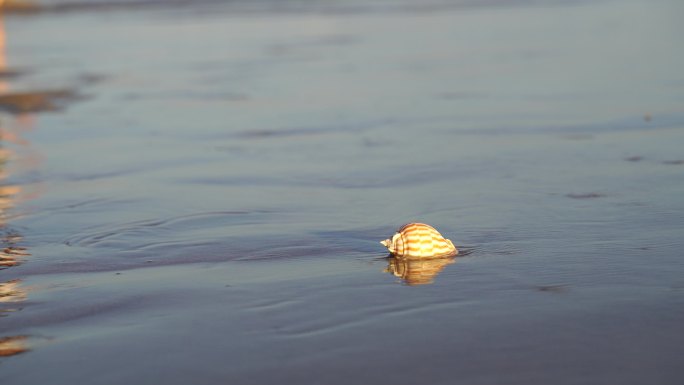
(194, 192)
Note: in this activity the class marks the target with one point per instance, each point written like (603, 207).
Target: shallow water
(208, 209)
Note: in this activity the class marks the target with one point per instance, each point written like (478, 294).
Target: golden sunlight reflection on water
(12, 291)
(11, 252)
(10, 346)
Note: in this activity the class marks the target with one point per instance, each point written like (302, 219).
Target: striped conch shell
(418, 240)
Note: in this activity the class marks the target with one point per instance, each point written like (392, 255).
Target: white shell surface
(419, 240)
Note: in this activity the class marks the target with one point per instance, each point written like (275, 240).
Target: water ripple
(150, 228)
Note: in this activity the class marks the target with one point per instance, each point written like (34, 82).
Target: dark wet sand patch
(37, 101)
(552, 288)
(266, 133)
(11, 73)
(227, 96)
(91, 78)
(578, 136)
(591, 195)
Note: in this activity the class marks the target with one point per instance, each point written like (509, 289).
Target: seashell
(418, 240)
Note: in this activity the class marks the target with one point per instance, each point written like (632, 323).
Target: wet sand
(205, 203)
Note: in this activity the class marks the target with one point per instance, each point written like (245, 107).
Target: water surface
(207, 208)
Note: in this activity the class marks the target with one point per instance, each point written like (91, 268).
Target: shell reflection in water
(417, 271)
(418, 240)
